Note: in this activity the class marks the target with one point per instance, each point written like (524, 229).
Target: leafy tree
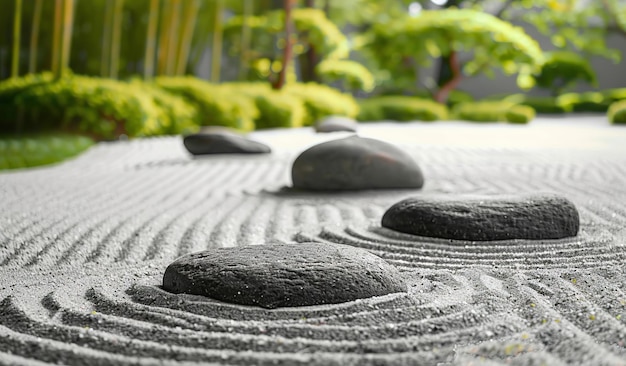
(415, 41)
(562, 70)
(576, 25)
(312, 30)
(354, 75)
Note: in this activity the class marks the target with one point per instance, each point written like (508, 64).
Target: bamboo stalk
(56, 38)
(190, 17)
(151, 39)
(34, 37)
(164, 38)
(17, 30)
(105, 55)
(216, 47)
(170, 67)
(116, 35)
(68, 22)
(245, 40)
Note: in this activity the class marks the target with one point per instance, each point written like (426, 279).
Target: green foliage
(617, 112)
(217, 105)
(276, 108)
(365, 12)
(322, 101)
(179, 116)
(546, 105)
(354, 75)
(34, 150)
(459, 96)
(323, 34)
(584, 102)
(567, 24)
(483, 111)
(562, 70)
(9, 89)
(493, 42)
(311, 24)
(279, 109)
(613, 95)
(520, 114)
(401, 108)
(313, 29)
(102, 108)
(618, 12)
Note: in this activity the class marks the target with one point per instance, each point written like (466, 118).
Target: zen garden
(312, 182)
(76, 72)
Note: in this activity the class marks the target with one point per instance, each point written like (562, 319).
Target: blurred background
(74, 72)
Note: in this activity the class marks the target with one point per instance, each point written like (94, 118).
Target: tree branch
(442, 94)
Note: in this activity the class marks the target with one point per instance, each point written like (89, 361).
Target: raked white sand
(83, 247)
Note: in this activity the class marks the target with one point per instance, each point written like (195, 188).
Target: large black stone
(355, 163)
(280, 275)
(222, 142)
(538, 216)
(336, 124)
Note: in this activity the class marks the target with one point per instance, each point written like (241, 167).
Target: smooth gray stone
(336, 124)
(281, 275)
(535, 217)
(222, 142)
(355, 163)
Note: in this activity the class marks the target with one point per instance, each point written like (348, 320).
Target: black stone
(535, 217)
(222, 142)
(281, 275)
(336, 124)
(355, 163)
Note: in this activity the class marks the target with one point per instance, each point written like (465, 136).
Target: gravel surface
(84, 245)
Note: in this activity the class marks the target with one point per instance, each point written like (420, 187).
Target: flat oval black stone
(280, 275)
(539, 216)
(355, 163)
(336, 124)
(203, 143)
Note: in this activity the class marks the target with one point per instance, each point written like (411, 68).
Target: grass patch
(18, 152)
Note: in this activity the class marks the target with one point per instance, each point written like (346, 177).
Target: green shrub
(280, 110)
(401, 108)
(370, 110)
(585, 102)
(179, 116)
(493, 111)
(547, 105)
(103, 108)
(613, 95)
(276, 108)
(483, 111)
(519, 114)
(217, 105)
(617, 112)
(35, 150)
(321, 101)
(459, 96)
